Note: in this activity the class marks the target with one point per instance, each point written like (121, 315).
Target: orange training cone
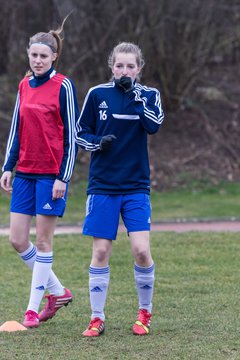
(12, 326)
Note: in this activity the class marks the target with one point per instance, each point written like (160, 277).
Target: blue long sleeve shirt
(130, 116)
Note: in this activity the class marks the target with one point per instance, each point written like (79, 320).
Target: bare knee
(19, 231)
(20, 245)
(140, 245)
(101, 252)
(101, 255)
(43, 244)
(142, 256)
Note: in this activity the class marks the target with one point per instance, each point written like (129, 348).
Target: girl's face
(41, 58)
(125, 65)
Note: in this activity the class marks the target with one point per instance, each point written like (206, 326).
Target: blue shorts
(103, 212)
(34, 196)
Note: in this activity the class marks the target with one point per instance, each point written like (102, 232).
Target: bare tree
(183, 42)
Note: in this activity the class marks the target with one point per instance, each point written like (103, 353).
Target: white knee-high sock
(98, 288)
(54, 286)
(29, 255)
(144, 280)
(40, 275)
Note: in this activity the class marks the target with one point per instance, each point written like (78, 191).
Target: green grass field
(196, 299)
(195, 202)
(196, 302)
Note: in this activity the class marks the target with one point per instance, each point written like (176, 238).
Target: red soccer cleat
(142, 324)
(53, 304)
(95, 328)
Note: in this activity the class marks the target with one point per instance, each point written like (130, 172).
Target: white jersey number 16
(103, 115)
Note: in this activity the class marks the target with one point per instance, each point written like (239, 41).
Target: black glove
(125, 83)
(106, 142)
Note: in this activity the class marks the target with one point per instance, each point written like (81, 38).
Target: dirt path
(179, 227)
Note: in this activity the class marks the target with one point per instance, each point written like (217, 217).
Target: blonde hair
(126, 47)
(52, 39)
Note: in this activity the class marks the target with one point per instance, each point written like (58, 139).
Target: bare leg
(101, 252)
(140, 245)
(45, 226)
(19, 231)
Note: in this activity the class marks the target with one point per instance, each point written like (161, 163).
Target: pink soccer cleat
(55, 303)
(31, 319)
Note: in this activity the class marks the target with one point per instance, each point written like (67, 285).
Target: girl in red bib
(41, 147)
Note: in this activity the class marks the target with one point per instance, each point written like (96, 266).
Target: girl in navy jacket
(114, 124)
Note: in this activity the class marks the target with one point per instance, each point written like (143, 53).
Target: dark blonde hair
(126, 47)
(52, 39)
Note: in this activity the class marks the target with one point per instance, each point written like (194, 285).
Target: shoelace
(94, 323)
(31, 315)
(144, 317)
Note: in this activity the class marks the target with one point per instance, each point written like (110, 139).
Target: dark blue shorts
(34, 196)
(103, 213)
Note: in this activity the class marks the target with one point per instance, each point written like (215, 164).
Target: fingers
(58, 190)
(5, 181)
(6, 186)
(57, 194)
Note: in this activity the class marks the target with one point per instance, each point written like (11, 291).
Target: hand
(125, 82)
(59, 188)
(5, 181)
(106, 142)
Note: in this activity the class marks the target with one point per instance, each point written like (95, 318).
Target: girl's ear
(54, 57)
(139, 70)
